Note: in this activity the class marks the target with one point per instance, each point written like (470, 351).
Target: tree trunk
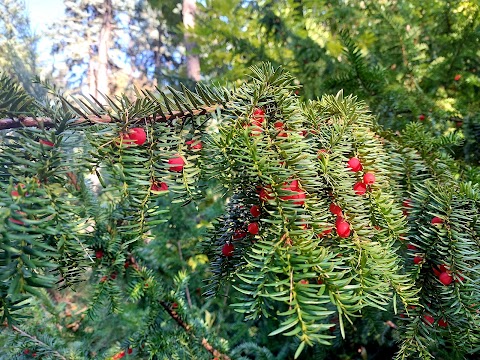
(193, 62)
(92, 77)
(103, 45)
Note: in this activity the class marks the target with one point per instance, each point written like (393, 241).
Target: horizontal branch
(35, 340)
(26, 122)
(45, 122)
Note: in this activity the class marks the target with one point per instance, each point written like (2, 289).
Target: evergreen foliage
(295, 265)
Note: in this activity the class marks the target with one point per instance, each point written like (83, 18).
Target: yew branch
(36, 341)
(45, 122)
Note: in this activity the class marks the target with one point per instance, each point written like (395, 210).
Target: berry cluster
(253, 229)
(360, 187)
(137, 136)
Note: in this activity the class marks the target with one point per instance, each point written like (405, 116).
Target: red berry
(158, 187)
(99, 254)
(411, 247)
(437, 220)
(343, 229)
(325, 232)
(194, 145)
(174, 305)
(253, 228)
(304, 282)
(407, 203)
(417, 260)
(339, 220)
(442, 323)
(293, 185)
(443, 268)
(369, 178)
(26, 351)
(355, 165)
(278, 125)
(265, 194)
(299, 197)
(227, 250)
(113, 275)
(335, 209)
(46, 143)
(258, 117)
(239, 234)
(120, 355)
(176, 164)
(255, 211)
(445, 278)
(421, 117)
(429, 319)
(457, 77)
(15, 193)
(360, 188)
(137, 136)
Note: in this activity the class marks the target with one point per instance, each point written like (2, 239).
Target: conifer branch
(36, 341)
(45, 122)
(188, 328)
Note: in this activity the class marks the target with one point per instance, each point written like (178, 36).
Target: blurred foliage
(408, 62)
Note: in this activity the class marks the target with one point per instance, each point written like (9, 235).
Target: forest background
(414, 64)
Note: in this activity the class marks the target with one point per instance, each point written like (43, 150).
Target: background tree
(405, 62)
(18, 58)
(143, 50)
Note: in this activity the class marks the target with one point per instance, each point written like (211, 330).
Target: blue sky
(43, 12)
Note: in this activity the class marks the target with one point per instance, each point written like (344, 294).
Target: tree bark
(103, 45)
(193, 62)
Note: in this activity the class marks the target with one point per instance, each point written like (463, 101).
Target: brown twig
(174, 315)
(93, 119)
(38, 342)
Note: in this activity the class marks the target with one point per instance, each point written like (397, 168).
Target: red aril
(46, 143)
(343, 229)
(429, 319)
(227, 250)
(194, 144)
(176, 164)
(253, 228)
(239, 234)
(137, 136)
(335, 209)
(255, 211)
(445, 278)
(354, 164)
(369, 178)
(158, 187)
(360, 188)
